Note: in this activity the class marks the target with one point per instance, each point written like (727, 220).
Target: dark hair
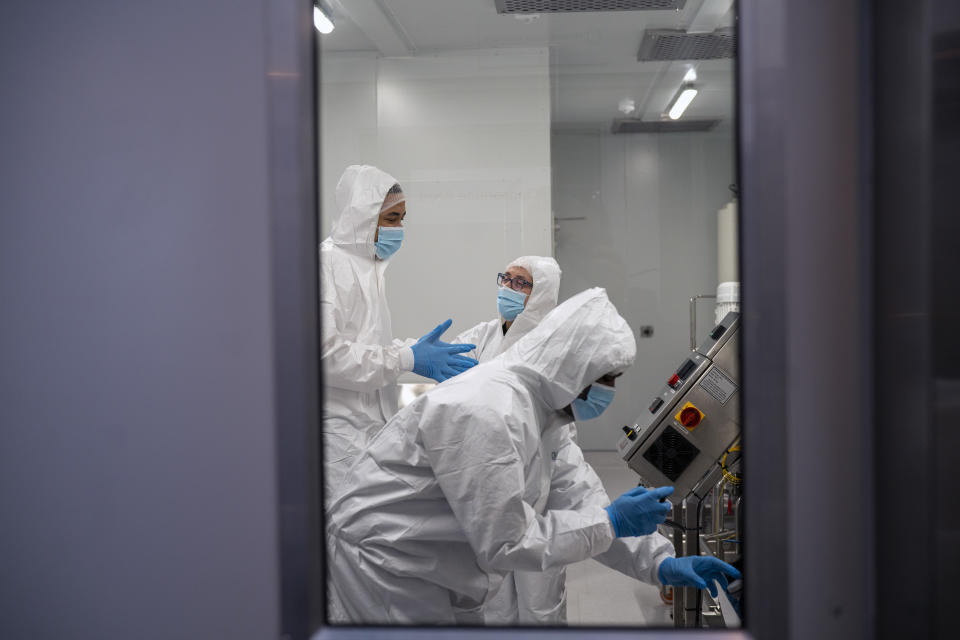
(395, 189)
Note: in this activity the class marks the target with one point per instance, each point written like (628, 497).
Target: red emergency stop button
(674, 379)
(689, 417)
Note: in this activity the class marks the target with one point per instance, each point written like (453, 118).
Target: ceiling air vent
(573, 6)
(675, 44)
(630, 125)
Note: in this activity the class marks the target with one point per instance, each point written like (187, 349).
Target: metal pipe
(714, 543)
(694, 548)
(693, 318)
(738, 509)
(715, 506)
(678, 547)
(718, 505)
(720, 535)
(686, 600)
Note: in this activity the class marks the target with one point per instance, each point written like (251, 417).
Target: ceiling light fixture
(681, 100)
(691, 75)
(526, 18)
(321, 19)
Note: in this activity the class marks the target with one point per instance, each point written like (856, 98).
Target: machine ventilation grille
(572, 6)
(675, 44)
(661, 126)
(671, 453)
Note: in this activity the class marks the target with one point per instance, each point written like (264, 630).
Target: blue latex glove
(696, 571)
(439, 360)
(639, 511)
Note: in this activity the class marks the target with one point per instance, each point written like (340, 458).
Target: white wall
(468, 137)
(637, 215)
(348, 121)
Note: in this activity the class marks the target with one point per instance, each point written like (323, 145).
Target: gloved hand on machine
(696, 571)
(639, 511)
(433, 358)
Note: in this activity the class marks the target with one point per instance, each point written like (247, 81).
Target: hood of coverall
(578, 342)
(543, 298)
(359, 198)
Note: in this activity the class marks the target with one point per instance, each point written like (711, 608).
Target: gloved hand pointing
(639, 511)
(435, 359)
(696, 571)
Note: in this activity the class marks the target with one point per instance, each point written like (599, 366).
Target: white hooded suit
(539, 597)
(361, 360)
(454, 493)
(489, 336)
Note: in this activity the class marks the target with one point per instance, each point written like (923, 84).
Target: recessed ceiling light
(526, 18)
(321, 20)
(681, 101)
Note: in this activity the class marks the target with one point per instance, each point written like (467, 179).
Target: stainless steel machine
(688, 438)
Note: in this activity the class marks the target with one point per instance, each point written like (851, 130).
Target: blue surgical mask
(389, 240)
(598, 399)
(510, 302)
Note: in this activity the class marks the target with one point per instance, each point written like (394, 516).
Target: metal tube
(718, 505)
(678, 547)
(738, 510)
(717, 540)
(713, 537)
(693, 319)
(686, 600)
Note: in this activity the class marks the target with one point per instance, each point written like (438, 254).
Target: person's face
(610, 380)
(521, 274)
(391, 216)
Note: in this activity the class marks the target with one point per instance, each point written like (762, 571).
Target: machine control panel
(694, 418)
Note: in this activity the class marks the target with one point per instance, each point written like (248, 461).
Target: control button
(674, 379)
(656, 405)
(717, 331)
(685, 369)
(689, 416)
(631, 434)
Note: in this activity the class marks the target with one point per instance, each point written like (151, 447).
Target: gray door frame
(804, 165)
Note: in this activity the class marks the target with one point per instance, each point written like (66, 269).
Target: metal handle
(693, 319)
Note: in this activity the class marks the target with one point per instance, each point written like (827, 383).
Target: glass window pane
(599, 137)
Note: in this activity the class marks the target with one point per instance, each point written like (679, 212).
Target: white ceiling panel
(593, 55)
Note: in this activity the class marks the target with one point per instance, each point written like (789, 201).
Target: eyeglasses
(516, 283)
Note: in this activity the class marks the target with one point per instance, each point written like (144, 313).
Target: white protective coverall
(361, 360)
(452, 494)
(574, 485)
(539, 597)
(489, 336)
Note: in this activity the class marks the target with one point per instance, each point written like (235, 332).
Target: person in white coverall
(527, 291)
(539, 597)
(361, 361)
(452, 494)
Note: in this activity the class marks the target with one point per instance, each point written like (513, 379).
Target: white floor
(598, 595)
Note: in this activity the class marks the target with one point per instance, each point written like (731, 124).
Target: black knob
(717, 332)
(631, 434)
